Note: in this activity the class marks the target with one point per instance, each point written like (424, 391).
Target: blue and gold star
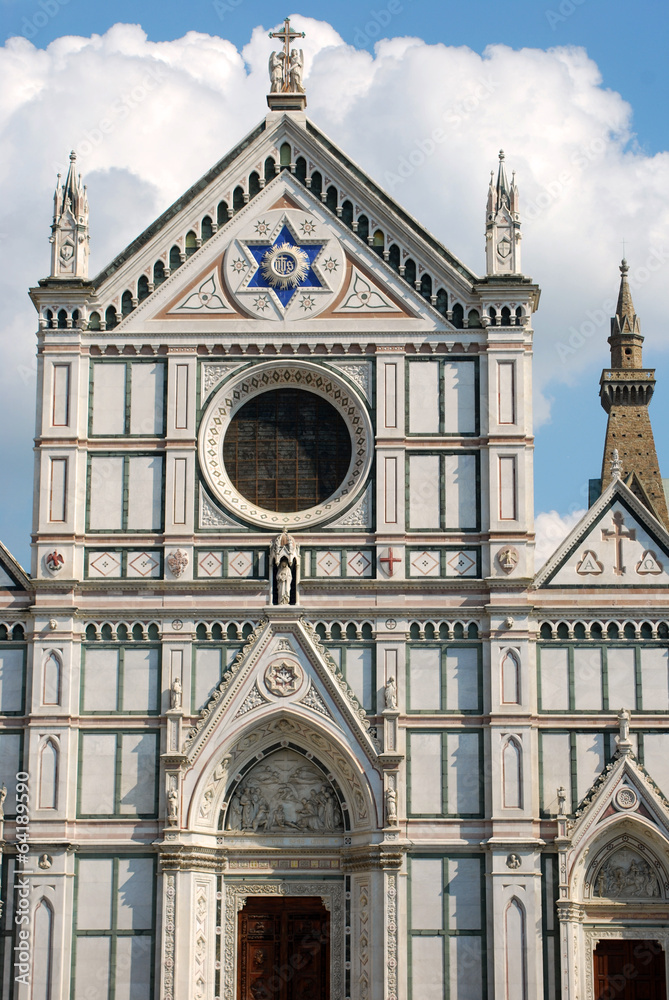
(285, 266)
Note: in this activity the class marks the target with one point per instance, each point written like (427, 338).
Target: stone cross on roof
(285, 72)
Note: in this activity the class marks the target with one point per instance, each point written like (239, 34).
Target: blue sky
(627, 44)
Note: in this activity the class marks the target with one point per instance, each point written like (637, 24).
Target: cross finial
(285, 72)
(287, 35)
(501, 154)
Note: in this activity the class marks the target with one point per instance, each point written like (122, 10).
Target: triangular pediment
(283, 668)
(12, 576)
(618, 543)
(284, 259)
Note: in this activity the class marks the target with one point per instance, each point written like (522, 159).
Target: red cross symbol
(390, 560)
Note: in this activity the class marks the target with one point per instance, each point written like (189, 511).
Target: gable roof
(583, 547)
(12, 574)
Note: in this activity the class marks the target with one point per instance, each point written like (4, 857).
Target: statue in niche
(391, 806)
(626, 874)
(175, 693)
(624, 725)
(285, 794)
(390, 694)
(172, 806)
(284, 556)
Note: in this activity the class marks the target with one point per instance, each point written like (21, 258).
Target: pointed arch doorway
(629, 969)
(283, 949)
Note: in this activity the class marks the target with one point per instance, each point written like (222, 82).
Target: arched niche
(512, 774)
(358, 783)
(510, 670)
(515, 950)
(42, 951)
(51, 677)
(48, 774)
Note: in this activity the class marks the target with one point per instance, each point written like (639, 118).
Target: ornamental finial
(285, 72)
(616, 465)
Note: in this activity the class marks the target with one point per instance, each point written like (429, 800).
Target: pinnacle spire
(69, 229)
(502, 223)
(502, 184)
(625, 339)
(627, 318)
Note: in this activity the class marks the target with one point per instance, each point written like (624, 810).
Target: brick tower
(626, 389)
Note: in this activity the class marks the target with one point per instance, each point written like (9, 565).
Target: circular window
(287, 450)
(286, 445)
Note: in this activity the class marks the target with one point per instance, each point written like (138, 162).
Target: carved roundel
(288, 462)
(283, 677)
(626, 799)
(285, 264)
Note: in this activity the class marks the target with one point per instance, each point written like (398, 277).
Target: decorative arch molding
(510, 676)
(230, 763)
(512, 773)
(42, 950)
(49, 759)
(332, 896)
(52, 674)
(628, 869)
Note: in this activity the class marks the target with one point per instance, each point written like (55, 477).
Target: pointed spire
(625, 339)
(627, 318)
(69, 230)
(502, 223)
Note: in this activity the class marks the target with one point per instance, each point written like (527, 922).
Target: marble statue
(390, 693)
(284, 558)
(172, 806)
(175, 693)
(276, 74)
(284, 580)
(3, 796)
(624, 723)
(295, 71)
(391, 806)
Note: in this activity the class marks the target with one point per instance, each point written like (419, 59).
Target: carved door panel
(629, 970)
(284, 949)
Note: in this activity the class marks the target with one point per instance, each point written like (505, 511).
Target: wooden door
(284, 949)
(630, 970)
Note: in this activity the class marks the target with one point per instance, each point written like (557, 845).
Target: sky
(574, 91)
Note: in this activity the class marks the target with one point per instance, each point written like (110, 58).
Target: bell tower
(626, 389)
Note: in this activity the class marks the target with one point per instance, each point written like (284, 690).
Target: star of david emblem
(285, 265)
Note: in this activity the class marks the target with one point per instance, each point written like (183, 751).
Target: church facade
(285, 711)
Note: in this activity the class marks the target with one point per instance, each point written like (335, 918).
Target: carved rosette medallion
(285, 264)
(626, 799)
(283, 677)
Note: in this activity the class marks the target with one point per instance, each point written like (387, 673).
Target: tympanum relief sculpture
(626, 874)
(284, 794)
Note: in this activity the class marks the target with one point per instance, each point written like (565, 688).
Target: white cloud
(552, 529)
(171, 109)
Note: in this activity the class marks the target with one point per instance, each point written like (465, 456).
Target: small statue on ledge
(390, 694)
(175, 693)
(284, 556)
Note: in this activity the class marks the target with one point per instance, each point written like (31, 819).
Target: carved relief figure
(627, 874)
(285, 794)
(284, 554)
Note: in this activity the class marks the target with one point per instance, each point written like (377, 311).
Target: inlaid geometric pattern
(329, 564)
(425, 564)
(240, 564)
(210, 564)
(358, 564)
(105, 564)
(461, 564)
(145, 564)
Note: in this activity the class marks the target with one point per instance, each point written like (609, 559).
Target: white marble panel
(427, 894)
(210, 564)
(104, 564)
(655, 679)
(425, 791)
(507, 488)
(424, 397)
(588, 678)
(425, 563)
(140, 680)
(48, 776)
(135, 893)
(466, 968)
(460, 484)
(10, 763)
(147, 398)
(425, 679)
(145, 487)
(143, 564)
(427, 968)
(460, 397)
(506, 413)
(98, 773)
(358, 563)
(133, 968)
(60, 412)
(359, 674)
(138, 773)
(94, 894)
(240, 564)
(424, 491)
(58, 490)
(464, 894)
(92, 966)
(622, 678)
(207, 675)
(106, 491)
(554, 685)
(109, 398)
(11, 679)
(656, 758)
(556, 769)
(589, 760)
(328, 563)
(462, 762)
(462, 678)
(100, 680)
